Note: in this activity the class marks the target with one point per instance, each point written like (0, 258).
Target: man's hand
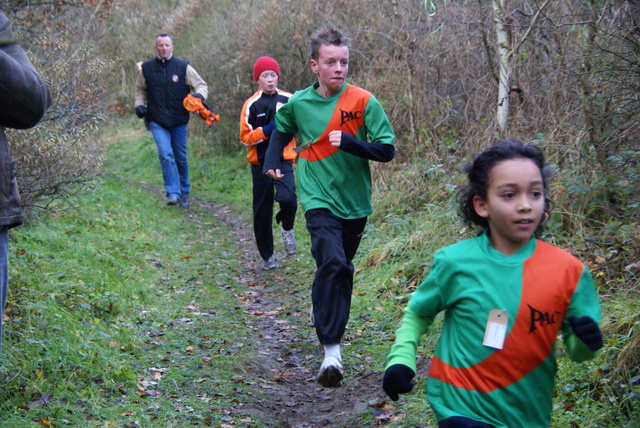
(141, 111)
(397, 380)
(335, 137)
(587, 330)
(276, 174)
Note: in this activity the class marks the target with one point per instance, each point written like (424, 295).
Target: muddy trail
(284, 366)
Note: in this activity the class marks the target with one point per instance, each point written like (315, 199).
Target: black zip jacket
(166, 89)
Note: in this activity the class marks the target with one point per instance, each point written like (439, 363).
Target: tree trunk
(505, 53)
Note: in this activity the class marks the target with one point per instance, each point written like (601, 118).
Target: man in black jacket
(25, 98)
(161, 87)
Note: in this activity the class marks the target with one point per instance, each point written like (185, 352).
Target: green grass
(104, 330)
(101, 301)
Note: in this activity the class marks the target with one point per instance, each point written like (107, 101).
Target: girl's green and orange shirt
(328, 177)
(538, 287)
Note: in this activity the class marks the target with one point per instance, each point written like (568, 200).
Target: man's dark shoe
(172, 199)
(184, 201)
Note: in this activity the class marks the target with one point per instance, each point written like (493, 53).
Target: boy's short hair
(327, 37)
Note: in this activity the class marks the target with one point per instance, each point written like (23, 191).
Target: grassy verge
(103, 328)
(101, 305)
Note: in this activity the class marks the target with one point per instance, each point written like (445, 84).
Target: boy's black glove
(141, 111)
(397, 380)
(587, 330)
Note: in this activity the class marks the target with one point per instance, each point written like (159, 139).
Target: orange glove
(195, 105)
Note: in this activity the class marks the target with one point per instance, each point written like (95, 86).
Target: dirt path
(286, 367)
(291, 398)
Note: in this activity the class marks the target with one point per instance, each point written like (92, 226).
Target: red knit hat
(265, 63)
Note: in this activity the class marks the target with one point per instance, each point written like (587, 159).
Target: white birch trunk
(505, 53)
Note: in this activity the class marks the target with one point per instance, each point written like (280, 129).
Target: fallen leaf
(46, 422)
(42, 401)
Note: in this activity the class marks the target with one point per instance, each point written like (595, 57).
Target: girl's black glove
(587, 330)
(397, 380)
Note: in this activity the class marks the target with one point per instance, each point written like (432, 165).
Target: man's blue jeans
(4, 275)
(172, 152)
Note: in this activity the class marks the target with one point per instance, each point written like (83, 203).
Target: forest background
(453, 76)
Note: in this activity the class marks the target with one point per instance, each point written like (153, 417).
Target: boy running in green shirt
(343, 127)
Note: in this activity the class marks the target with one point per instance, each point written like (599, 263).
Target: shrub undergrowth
(98, 294)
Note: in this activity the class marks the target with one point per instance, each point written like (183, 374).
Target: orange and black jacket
(258, 111)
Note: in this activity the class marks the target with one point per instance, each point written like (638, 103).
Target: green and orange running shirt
(328, 177)
(538, 287)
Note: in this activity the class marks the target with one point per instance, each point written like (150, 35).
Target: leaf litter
(286, 373)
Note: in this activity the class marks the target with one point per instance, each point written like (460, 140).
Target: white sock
(332, 351)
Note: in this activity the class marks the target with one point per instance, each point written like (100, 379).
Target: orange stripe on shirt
(352, 100)
(550, 277)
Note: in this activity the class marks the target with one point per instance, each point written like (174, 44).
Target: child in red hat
(256, 125)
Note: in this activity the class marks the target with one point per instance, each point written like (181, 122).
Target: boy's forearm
(277, 142)
(251, 137)
(374, 150)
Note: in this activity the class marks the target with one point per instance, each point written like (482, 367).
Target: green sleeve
(426, 302)
(377, 123)
(583, 302)
(285, 118)
(408, 337)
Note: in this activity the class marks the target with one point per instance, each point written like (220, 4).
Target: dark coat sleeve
(25, 96)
